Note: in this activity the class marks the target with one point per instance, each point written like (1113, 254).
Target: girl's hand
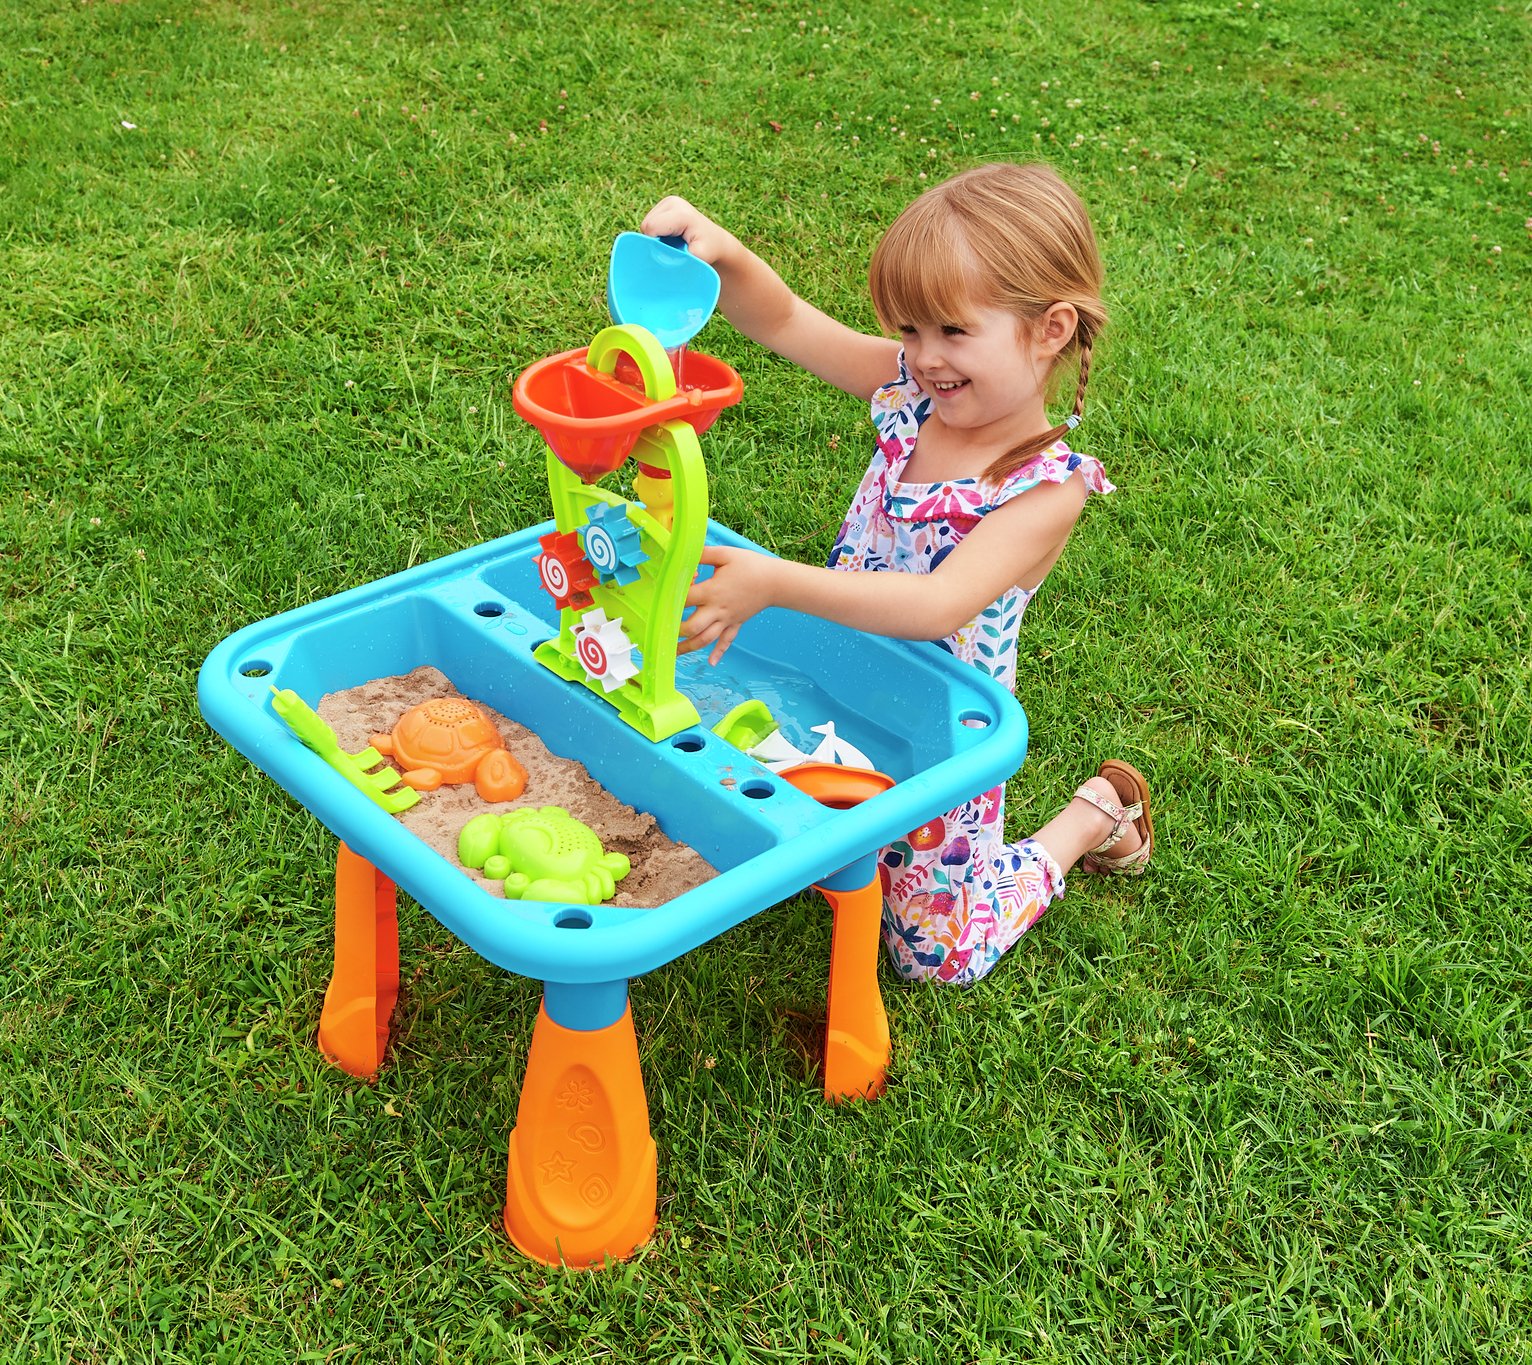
(674, 217)
(741, 586)
(753, 297)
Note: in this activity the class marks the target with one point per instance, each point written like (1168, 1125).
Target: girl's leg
(959, 933)
(950, 912)
(955, 897)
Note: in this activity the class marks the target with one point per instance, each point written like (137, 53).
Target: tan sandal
(1130, 785)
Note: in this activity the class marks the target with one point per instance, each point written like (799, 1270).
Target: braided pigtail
(1084, 379)
(1017, 456)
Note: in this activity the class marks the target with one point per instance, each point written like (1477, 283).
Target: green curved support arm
(643, 348)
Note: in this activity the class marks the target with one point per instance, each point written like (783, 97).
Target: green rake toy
(361, 770)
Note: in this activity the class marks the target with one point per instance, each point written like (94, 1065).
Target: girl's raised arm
(756, 300)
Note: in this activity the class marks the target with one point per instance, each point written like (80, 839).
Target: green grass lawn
(267, 269)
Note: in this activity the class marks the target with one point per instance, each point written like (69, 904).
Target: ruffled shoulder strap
(1055, 464)
(898, 409)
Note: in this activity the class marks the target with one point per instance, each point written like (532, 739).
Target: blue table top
(942, 729)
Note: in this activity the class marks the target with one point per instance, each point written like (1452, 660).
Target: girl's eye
(951, 329)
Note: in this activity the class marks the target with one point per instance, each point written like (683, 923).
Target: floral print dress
(955, 894)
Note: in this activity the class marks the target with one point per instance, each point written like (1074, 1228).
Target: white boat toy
(752, 727)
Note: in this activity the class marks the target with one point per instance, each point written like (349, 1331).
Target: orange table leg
(581, 1180)
(353, 1027)
(857, 1046)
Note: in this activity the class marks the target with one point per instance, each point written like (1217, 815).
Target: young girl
(992, 283)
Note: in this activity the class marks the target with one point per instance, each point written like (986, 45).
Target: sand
(662, 869)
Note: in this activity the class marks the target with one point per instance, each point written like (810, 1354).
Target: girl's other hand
(740, 586)
(674, 217)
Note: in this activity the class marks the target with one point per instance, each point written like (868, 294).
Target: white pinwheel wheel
(604, 650)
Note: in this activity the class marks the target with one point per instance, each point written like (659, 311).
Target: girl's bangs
(923, 272)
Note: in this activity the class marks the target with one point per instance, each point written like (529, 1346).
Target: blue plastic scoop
(658, 284)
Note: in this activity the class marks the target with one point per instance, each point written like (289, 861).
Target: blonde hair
(1001, 236)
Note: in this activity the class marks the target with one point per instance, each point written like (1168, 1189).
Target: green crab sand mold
(543, 854)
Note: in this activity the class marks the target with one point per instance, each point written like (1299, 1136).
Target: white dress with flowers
(955, 894)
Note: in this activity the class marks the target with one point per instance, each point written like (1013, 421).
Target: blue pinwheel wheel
(611, 544)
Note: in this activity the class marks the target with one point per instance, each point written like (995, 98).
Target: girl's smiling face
(987, 367)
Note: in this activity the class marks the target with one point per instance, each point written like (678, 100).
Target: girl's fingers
(724, 641)
(697, 634)
(699, 631)
(695, 637)
(664, 214)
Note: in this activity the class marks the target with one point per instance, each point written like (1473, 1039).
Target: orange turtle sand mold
(662, 869)
(449, 741)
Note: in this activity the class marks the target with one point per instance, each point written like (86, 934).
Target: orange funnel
(591, 420)
(835, 785)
